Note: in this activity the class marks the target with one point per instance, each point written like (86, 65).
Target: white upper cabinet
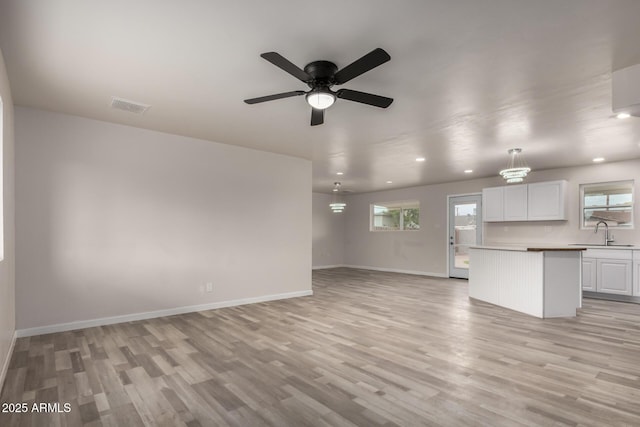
(547, 201)
(515, 203)
(493, 204)
(541, 201)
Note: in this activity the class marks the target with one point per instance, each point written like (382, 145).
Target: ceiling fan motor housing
(322, 73)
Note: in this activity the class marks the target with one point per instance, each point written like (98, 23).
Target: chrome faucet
(607, 240)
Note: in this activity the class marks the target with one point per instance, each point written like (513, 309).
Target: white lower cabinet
(610, 271)
(589, 274)
(636, 273)
(614, 276)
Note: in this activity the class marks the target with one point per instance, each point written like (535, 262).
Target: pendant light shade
(517, 169)
(337, 205)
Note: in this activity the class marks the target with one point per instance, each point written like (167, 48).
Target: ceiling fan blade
(274, 97)
(283, 63)
(365, 98)
(317, 117)
(369, 61)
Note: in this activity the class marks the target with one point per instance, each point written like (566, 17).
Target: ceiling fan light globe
(320, 100)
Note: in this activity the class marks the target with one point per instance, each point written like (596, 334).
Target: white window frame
(630, 182)
(405, 204)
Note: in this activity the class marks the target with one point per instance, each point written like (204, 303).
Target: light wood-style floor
(368, 349)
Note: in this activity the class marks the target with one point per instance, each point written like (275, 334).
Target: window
(611, 202)
(396, 216)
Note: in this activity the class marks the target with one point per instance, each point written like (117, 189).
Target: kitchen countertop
(530, 247)
(614, 246)
(537, 247)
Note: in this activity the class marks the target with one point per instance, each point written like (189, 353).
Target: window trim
(630, 182)
(402, 204)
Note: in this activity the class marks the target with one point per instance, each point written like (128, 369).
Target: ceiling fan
(321, 76)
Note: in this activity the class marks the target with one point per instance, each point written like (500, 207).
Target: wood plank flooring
(368, 349)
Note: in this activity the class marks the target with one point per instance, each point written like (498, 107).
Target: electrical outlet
(209, 287)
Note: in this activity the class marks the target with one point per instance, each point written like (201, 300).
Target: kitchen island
(542, 281)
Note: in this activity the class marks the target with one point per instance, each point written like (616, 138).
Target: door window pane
(464, 233)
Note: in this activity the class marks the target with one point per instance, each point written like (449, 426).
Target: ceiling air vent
(128, 105)
(626, 90)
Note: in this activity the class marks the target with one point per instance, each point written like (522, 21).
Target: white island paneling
(541, 282)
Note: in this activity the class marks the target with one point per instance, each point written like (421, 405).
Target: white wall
(328, 233)
(114, 220)
(425, 251)
(7, 265)
(421, 251)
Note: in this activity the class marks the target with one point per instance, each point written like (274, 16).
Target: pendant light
(337, 205)
(517, 169)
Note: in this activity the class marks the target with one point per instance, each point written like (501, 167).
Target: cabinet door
(493, 204)
(515, 203)
(636, 278)
(589, 274)
(614, 276)
(547, 201)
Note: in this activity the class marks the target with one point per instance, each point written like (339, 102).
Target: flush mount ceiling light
(517, 169)
(598, 159)
(623, 115)
(420, 159)
(337, 205)
(468, 171)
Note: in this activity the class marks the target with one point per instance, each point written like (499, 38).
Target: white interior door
(465, 229)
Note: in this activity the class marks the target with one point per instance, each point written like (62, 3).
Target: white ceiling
(470, 78)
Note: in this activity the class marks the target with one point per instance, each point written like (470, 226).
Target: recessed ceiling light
(389, 182)
(598, 159)
(623, 116)
(420, 159)
(339, 173)
(468, 171)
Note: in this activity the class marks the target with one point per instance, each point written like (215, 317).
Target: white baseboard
(7, 361)
(62, 327)
(396, 270)
(324, 267)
